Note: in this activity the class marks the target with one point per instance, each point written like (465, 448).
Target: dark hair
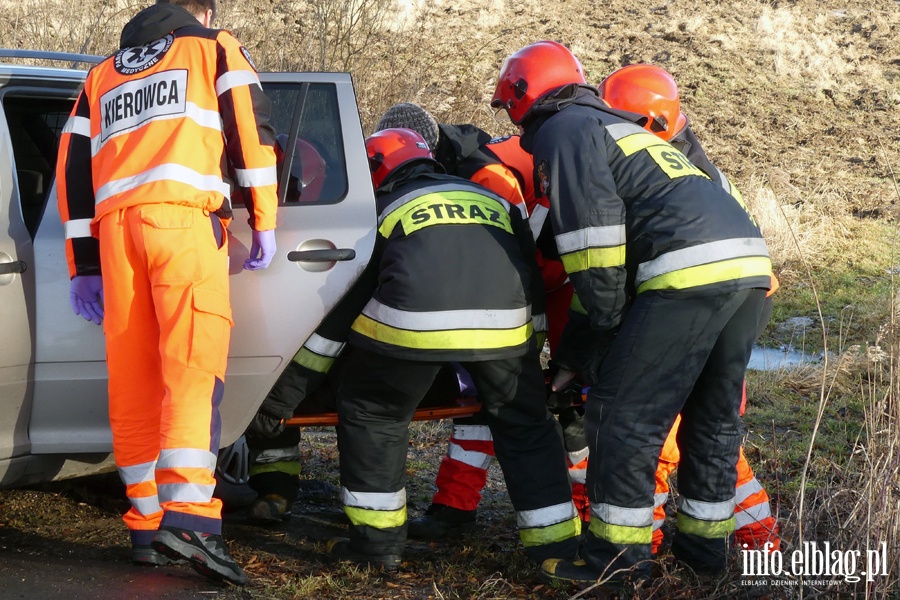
(194, 7)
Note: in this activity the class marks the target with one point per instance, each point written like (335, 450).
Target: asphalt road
(35, 577)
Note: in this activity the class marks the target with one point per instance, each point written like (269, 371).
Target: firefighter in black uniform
(405, 323)
(672, 272)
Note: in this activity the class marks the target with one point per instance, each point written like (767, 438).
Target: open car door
(326, 223)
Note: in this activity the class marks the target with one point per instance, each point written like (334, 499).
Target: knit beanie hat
(411, 116)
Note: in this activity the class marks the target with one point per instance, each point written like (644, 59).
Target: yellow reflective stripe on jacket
(705, 529)
(632, 139)
(592, 247)
(466, 339)
(454, 207)
(539, 536)
(312, 361)
(594, 258)
(621, 534)
(727, 270)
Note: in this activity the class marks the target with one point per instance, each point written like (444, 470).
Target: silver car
(53, 399)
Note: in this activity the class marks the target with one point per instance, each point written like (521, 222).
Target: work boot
(441, 521)
(206, 553)
(339, 548)
(569, 571)
(146, 556)
(271, 509)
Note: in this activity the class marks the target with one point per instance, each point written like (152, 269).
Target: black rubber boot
(339, 549)
(441, 521)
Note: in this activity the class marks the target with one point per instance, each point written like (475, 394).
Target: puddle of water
(771, 359)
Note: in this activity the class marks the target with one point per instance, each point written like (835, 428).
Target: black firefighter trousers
(376, 404)
(677, 351)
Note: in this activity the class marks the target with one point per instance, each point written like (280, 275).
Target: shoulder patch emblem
(542, 175)
(497, 140)
(129, 61)
(249, 60)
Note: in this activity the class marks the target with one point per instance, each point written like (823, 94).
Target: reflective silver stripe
(539, 322)
(660, 499)
(620, 130)
(706, 511)
(275, 455)
(146, 505)
(186, 458)
(658, 523)
(543, 517)
(578, 475)
(167, 172)
(723, 181)
(375, 500)
(478, 433)
(473, 458)
(700, 255)
(78, 126)
(185, 492)
(138, 473)
(752, 514)
(742, 492)
(446, 187)
(210, 119)
(233, 79)
(77, 228)
(591, 237)
(536, 219)
(256, 177)
(618, 515)
(440, 320)
(579, 455)
(323, 346)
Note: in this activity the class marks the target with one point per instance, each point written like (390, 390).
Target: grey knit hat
(411, 116)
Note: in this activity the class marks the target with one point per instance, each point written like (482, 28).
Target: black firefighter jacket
(631, 214)
(452, 276)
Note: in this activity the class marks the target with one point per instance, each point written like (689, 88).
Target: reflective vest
(172, 121)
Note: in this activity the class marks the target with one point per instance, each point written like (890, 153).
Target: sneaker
(339, 548)
(441, 521)
(206, 553)
(146, 556)
(271, 509)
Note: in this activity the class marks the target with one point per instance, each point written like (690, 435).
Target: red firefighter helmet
(647, 90)
(392, 148)
(531, 73)
(307, 170)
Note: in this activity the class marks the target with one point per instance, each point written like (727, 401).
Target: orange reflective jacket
(171, 121)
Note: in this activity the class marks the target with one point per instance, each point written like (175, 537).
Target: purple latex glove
(262, 250)
(86, 297)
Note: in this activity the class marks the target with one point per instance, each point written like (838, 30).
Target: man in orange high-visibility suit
(650, 90)
(140, 177)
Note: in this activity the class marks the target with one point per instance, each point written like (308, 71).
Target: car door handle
(322, 255)
(17, 266)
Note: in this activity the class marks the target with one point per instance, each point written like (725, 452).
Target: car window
(318, 171)
(35, 126)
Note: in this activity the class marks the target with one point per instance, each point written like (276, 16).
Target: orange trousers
(167, 325)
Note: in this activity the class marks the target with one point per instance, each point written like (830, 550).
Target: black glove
(265, 426)
(560, 400)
